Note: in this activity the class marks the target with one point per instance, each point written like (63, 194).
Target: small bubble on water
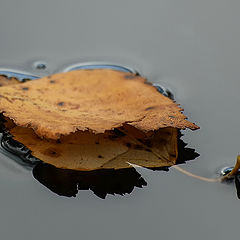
(40, 65)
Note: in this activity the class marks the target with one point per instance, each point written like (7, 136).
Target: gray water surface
(190, 46)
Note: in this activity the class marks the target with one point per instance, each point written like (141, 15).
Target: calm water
(190, 46)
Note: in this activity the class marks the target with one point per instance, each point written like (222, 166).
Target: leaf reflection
(237, 185)
(101, 182)
(115, 177)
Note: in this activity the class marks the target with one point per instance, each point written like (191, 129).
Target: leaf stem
(233, 173)
(196, 176)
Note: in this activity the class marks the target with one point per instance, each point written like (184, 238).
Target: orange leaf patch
(89, 100)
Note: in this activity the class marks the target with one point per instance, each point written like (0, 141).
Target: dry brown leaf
(89, 151)
(92, 100)
(5, 81)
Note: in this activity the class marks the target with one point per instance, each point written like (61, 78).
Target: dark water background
(192, 47)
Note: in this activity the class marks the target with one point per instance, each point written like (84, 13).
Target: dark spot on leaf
(60, 103)
(51, 152)
(100, 156)
(52, 81)
(96, 142)
(128, 144)
(148, 83)
(150, 108)
(129, 76)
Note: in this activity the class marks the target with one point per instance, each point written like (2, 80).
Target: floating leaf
(89, 100)
(87, 120)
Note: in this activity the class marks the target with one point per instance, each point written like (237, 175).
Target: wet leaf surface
(92, 100)
(112, 150)
(101, 182)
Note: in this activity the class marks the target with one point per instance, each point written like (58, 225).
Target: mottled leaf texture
(111, 150)
(93, 119)
(89, 100)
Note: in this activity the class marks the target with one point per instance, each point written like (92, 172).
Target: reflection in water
(237, 184)
(102, 182)
(184, 153)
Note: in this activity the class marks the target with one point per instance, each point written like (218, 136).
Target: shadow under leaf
(101, 182)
